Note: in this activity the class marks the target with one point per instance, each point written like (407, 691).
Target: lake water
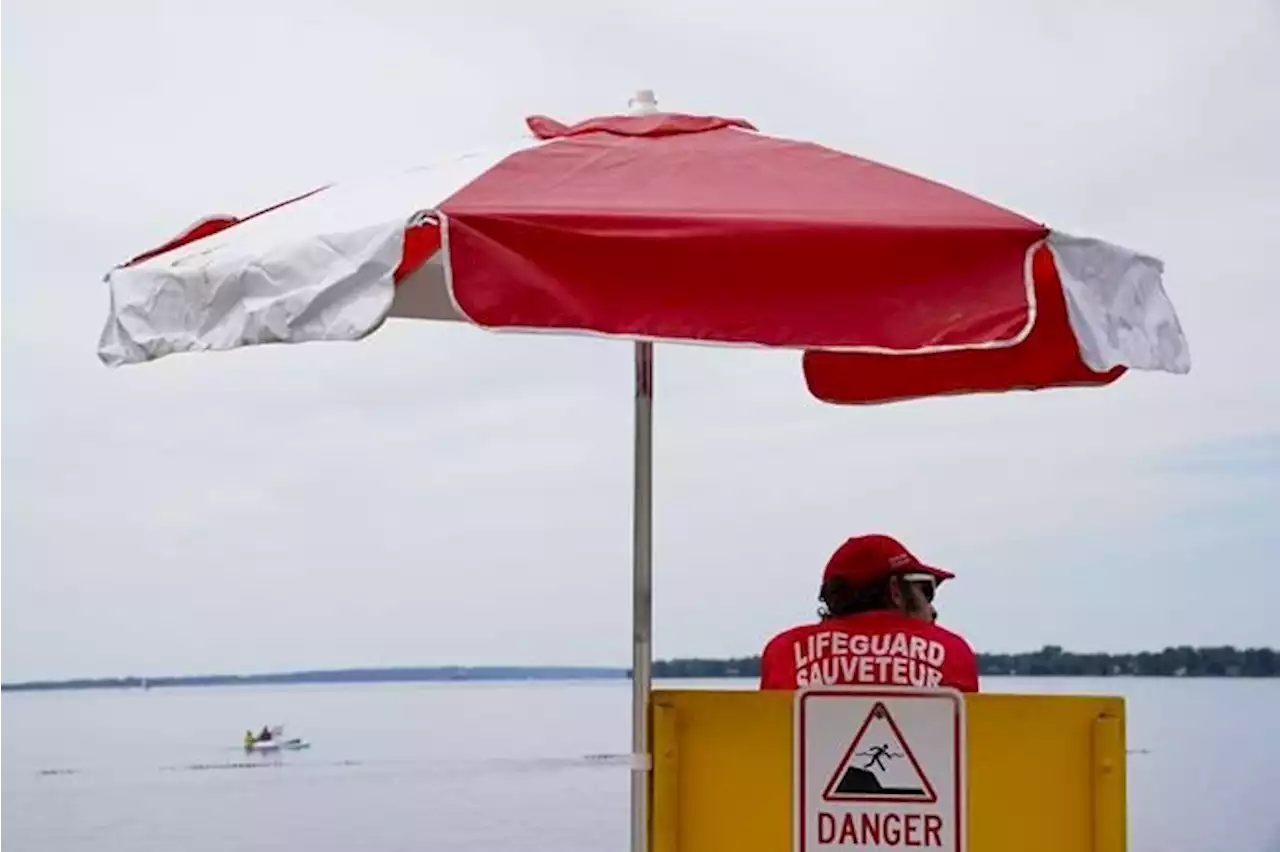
(496, 766)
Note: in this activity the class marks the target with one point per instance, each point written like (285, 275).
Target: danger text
(910, 830)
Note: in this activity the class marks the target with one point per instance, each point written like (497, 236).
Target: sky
(437, 494)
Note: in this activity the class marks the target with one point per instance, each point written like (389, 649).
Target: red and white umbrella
(659, 226)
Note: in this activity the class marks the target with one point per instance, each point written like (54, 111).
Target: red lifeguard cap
(864, 559)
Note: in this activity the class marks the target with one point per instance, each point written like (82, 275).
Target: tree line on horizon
(1184, 661)
(396, 674)
(1051, 660)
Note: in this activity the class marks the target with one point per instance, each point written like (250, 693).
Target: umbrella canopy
(664, 226)
(669, 227)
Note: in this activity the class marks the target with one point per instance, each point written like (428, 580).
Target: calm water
(482, 767)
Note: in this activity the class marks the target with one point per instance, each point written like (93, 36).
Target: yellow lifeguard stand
(1044, 774)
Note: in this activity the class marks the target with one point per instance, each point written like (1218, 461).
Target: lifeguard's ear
(895, 593)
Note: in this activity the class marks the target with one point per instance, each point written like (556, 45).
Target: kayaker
(265, 736)
(248, 739)
(877, 626)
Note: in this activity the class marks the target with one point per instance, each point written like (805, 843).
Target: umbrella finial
(644, 103)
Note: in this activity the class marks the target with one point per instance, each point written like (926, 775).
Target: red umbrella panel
(1058, 346)
(662, 226)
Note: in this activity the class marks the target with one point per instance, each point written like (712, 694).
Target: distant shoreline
(415, 674)
(1049, 661)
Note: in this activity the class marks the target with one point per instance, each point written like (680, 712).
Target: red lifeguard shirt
(884, 648)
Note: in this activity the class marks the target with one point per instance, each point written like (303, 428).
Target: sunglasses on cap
(927, 583)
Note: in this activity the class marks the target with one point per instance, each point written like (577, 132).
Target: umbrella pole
(642, 598)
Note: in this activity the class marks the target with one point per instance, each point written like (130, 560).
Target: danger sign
(879, 768)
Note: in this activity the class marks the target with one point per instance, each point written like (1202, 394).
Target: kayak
(277, 742)
(294, 744)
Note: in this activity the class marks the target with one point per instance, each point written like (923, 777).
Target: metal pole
(642, 599)
(644, 103)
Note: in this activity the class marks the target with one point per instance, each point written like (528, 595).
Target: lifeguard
(877, 627)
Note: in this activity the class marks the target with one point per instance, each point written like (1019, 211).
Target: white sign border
(890, 692)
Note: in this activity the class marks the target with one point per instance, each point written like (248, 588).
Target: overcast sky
(437, 494)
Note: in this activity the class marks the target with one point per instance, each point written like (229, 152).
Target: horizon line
(594, 671)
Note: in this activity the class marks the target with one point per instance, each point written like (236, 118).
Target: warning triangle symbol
(879, 766)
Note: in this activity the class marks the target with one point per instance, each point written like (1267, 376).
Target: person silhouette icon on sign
(877, 756)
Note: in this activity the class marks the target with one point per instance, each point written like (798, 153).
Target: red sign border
(827, 795)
